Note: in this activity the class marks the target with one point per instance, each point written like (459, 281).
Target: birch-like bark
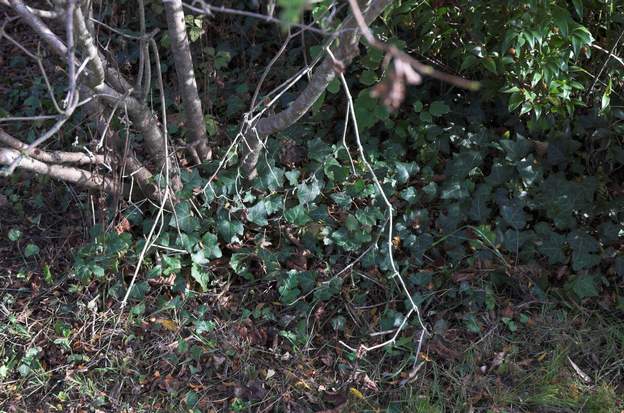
(88, 47)
(345, 50)
(141, 116)
(78, 158)
(77, 176)
(181, 50)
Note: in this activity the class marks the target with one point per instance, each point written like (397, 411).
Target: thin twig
(389, 209)
(208, 9)
(159, 216)
(609, 56)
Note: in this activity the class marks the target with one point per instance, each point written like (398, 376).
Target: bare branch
(65, 173)
(609, 56)
(47, 135)
(345, 50)
(86, 42)
(58, 157)
(44, 14)
(143, 48)
(610, 53)
(39, 27)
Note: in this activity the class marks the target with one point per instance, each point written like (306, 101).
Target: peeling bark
(180, 48)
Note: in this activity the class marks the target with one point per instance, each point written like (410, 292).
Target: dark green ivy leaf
(551, 244)
(211, 246)
(258, 214)
(297, 216)
(184, 219)
(201, 276)
(584, 286)
(514, 215)
(229, 228)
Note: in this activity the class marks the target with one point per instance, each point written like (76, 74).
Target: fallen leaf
(356, 393)
(167, 324)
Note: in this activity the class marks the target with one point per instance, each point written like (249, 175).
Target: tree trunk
(180, 48)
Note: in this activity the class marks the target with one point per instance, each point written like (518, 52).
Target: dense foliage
(509, 195)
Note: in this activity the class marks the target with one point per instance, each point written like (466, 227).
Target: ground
(67, 345)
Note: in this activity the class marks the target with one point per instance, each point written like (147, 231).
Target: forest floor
(67, 347)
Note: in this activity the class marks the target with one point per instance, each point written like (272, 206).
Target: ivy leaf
(319, 150)
(454, 190)
(405, 170)
(230, 228)
(258, 214)
(551, 244)
(368, 77)
(410, 195)
(334, 86)
(438, 108)
(426, 117)
(272, 177)
(15, 234)
(288, 289)
(328, 289)
(139, 290)
(201, 276)
(184, 219)
(30, 250)
(514, 215)
(338, 323)
(583, 260)
(479, 210)
(471, 323)
(238, 262)
(499, 174)
(529, 173)
(211, 246)
(462, 164)
(584, 286)
(171, 265)
(334, 170)
(583, 242)
(516, 149)
(307, 193)
(514, 239)
(199, 258)
(293, 176)
(297, 216)
(342, 199)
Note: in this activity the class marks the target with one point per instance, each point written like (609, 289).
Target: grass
(152, 363)
(64, 346)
